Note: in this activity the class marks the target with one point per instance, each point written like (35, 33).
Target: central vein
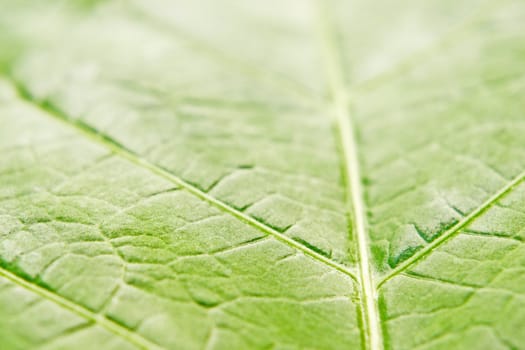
(352, 174)
(341, 106)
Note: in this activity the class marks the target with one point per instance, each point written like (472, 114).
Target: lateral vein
(352, 173)
(81, 311)
(114, 146)
(451, 232)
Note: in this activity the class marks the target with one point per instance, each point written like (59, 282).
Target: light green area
(292, 174)
(469, 293)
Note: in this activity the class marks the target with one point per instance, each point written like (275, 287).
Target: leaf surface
(291, 175)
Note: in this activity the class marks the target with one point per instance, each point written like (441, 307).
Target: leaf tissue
(281, 174)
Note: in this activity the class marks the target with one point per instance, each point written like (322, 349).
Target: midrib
(357, 208)
(350, 158)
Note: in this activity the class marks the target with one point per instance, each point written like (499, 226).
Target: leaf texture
(251, 175)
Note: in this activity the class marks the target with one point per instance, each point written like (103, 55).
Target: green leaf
(290, 174)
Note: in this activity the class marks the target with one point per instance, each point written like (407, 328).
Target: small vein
(81, 311)
(104, 140)
(68, 332)
(421, 254)
(352, 174)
